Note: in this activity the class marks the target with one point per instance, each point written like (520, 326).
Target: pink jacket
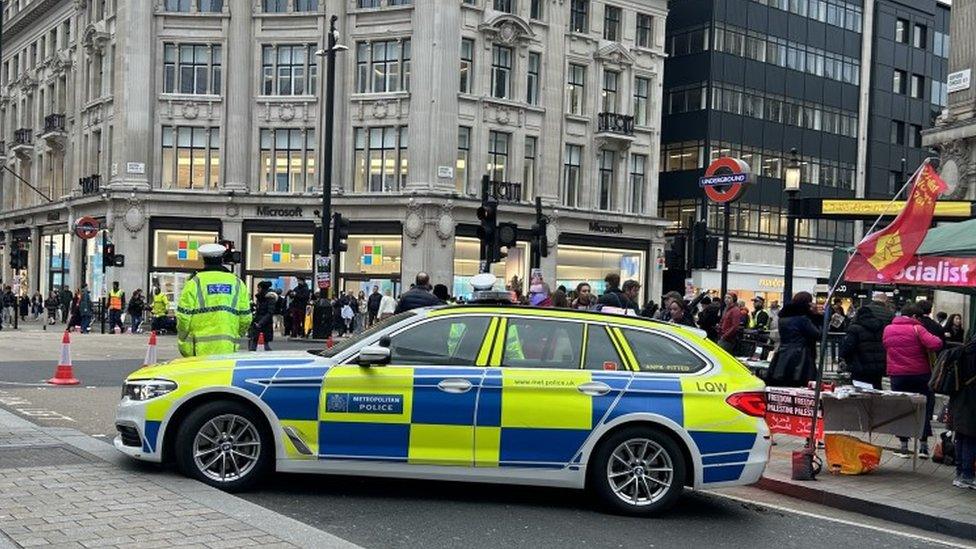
(907, 344)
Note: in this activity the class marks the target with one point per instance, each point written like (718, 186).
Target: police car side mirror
(374, 355)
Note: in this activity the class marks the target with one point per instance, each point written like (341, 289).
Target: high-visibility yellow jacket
(160, 304)
(213, 314)
(115, 300)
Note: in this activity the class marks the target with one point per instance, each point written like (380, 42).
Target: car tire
(225, 444)
(637, 471)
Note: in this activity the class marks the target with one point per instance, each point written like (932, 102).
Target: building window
(901, 31)
(897, 132)
(463, 157)
(535, 9)
(918, 86)
(287, 160)
(893, 179)
(368, 4)
(645, 30)
(378, 66)
(501, 72)
(611, 23)
(609, 95)
(275, 6)
(898, 82)
(498, 155)
(506, 6)
(181, 6)
(572, 169)
(528, 169)
(576, 88)
(919, 38)
(210, 6)
(288, 69)
(642, 88)
(685, 155)
(532, 82)
(467, 65)
(915, 136)
(579, 16)
(607, 161)
(638, 167)
(306, 5)
(192, 68)
(191, 157)
(381, 159)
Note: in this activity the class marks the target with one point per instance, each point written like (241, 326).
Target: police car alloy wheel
(223, 444)
(638, 471)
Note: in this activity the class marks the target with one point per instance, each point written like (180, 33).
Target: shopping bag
(849, 455)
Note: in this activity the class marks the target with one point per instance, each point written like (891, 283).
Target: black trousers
(918, 383)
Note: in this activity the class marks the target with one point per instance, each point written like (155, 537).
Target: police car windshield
(369, 332)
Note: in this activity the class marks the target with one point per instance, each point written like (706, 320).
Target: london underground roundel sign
(86, 227)
(726, 179)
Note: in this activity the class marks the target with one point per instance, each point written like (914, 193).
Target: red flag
(893, 247)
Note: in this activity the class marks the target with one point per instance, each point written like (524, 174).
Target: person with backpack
(862, 349)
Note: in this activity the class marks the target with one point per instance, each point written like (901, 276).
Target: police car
(631, 409)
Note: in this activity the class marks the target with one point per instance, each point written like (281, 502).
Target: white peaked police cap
(212, 250)
(483, 282)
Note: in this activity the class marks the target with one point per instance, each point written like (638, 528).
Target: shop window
(287, 160)
(657, 353)
(514, 268)
(372, 255)
(289, 69)
(381, 159)
(180, 249)
(445, 342)
(279, 252)
(575, 264)
(549, 344)
(191, 157)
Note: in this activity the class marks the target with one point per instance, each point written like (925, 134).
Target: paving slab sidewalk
(61, 488)
(923, 498)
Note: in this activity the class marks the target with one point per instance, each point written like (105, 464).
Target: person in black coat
(322, 316)
(930, 324)
(962, 418)
(418, 296)
(862, 349)
(709, 317)
(263, 322)
(794, 364)
(373, 305)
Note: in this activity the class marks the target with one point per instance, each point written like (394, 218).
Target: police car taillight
(751, 403)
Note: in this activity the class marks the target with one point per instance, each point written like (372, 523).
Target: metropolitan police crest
(337, 402)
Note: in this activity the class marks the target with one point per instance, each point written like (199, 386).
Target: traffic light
(505, 237)
(488, 230)
(675, 257)
(704, 247)
(540, 235)
(340, 232)
(231, 256)
(108, 255)
(18, 259)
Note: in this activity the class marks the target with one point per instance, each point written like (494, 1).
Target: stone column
(8, 246)
(436, 50)
(552, 95)
(237, 131)
(135, 95)
(427, 252)
(33, 278)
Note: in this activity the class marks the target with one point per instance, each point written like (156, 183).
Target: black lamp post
(792, 188)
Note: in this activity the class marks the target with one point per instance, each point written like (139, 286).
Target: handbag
(930, 354)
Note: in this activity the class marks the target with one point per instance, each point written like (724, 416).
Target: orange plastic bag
(849, 455)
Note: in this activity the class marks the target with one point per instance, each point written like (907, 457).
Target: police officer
(214, 310)
(116, 304)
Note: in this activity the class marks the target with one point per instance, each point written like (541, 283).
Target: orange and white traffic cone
(260, 345)
(329, 343)
(151, 350)
(64, 375)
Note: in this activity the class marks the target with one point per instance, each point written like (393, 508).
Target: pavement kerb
(891, 513)
(275, 524)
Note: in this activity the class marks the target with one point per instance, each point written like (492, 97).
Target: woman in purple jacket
(907, 346)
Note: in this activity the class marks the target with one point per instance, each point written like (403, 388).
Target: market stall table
(886, 412)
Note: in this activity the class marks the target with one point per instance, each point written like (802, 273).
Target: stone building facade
(179, 122)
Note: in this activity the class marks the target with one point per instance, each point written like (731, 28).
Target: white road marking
(20, 384)
(842, 521)
(27, 408)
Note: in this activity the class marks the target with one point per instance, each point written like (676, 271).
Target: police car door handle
(454, 386)
(593, 388)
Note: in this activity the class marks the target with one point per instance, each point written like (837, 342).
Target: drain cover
(38, 456)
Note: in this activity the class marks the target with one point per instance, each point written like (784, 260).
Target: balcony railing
(24, 136)
(506, 191)
(611, 122)
(54, 123)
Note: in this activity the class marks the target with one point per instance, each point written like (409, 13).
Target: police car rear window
(656, 353)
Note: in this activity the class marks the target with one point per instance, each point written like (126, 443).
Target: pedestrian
(418, 296)
(679, 313)
(962, 414)
(942, 318)
(710, 317)
(881, 307)
(930, 324)
(7, 302)
(322, 316)
(24, 304)
(649, 310)
(664, 313)
(74, 311)
(214, 310)
(52, 304)
(160, 305)
(584, 300)
(116, 304)
(363, 313)
(559, 299)
(347, 314)
(299, 300)
(263, 321)
(441, 293)
(135, 310)
(373, 304)
(388, 305)
(85, 308)
(612, 295)
(794, 364)
(838, 319)
(631, 291)
(758, 318)
(862, 350)
(908, 346)
(37, 305)
(774, 322)
(731, 324)
(954, 331)
(66, 297)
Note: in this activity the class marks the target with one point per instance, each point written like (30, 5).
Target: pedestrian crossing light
(506, 238)
(488, 230)
(108, 255)
(340, 232)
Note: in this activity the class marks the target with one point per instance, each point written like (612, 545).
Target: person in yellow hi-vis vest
(214, 310)
(116, 304)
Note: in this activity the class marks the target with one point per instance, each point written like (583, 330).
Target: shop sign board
(959, 80)
(726, 179)
(857, 207)
(276, 211)
(955, 272)
(789, 411)
(86, 227)
(607, 228)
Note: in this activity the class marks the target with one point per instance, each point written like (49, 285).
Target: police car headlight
(145, 389)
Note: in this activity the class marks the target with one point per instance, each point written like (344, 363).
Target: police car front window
(532, 343)
(453, 341)
(365, 334)
(656, 353)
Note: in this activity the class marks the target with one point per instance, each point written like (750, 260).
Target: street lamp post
(792, 188)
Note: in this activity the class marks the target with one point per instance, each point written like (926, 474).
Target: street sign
(323, 272)
(726, 179)
(86, 227)
(867, 209)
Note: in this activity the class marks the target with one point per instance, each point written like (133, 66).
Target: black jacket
(708, 320)
(415, 298)
(615, 297)
(300, 297)
(862, 348)
(934, 328)
(373, 302)
(264, 316)
(795, 361)
(962, 405)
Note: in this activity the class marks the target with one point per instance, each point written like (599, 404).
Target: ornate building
(177, 122)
